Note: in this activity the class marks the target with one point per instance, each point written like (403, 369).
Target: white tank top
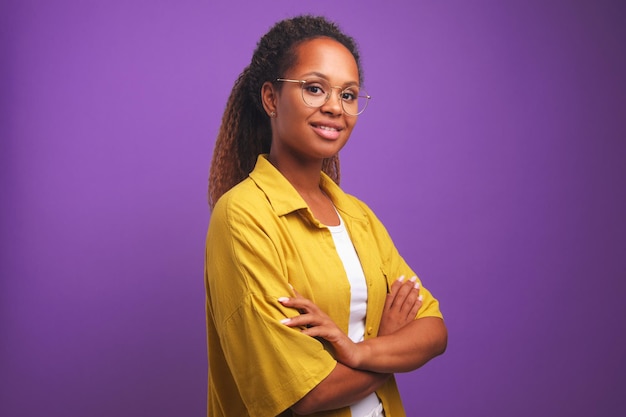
(358, 303)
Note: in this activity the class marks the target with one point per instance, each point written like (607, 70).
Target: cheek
(290, 114)
(350, 126)
(289, 122)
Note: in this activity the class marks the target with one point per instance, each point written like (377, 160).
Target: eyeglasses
(316, 93)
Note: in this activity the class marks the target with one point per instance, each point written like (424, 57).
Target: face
(306, 134)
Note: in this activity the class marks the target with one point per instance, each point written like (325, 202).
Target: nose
(333, 105)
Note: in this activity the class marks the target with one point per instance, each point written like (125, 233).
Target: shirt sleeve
(395, 265)
(272, 365)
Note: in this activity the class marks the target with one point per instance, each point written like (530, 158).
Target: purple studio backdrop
(494, 150)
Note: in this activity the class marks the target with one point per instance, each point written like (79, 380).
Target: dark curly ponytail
(245, 131)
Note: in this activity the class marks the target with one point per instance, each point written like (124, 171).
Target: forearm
(342, 387)
(404, 350)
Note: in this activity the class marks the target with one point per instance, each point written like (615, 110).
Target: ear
(269, 97)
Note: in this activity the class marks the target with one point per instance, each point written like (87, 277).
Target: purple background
(494, 150)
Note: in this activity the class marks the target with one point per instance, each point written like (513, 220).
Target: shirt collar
(285, 199)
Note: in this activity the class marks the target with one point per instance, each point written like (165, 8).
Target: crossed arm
(403, 344)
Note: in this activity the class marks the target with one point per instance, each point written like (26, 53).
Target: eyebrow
(320, 75)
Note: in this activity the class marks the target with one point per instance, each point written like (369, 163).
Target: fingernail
(283, 299)
(417, 285)
(285, 321)
(420, 297)
(401, 278)
(413, 278)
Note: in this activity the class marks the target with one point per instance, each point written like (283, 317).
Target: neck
(304, 176)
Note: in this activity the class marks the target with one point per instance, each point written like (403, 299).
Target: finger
(389, 300)
(416, 307)
(412, 297)
(410, 300)
(303, 320)
(332, 335)
(397, 284)
(299, 303)
(403, 293)
(319, 331)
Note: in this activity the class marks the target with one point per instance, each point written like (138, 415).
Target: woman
(308, 311)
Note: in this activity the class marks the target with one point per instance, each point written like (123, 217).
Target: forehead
(328, 57)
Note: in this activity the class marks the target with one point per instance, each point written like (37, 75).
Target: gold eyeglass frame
(341, 90)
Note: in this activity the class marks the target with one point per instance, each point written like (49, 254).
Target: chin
(330, 153)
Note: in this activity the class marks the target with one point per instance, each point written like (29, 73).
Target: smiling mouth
(329, 128)
(327, 132)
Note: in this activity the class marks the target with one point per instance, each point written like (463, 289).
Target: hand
(401, 306)
(316, 323)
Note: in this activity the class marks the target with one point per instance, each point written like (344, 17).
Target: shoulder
(241, 212)
(243, 200)
(366, 215)
(360, 204)
(363, 209)
(347, 203)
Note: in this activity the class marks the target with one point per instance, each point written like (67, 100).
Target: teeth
(328, 128)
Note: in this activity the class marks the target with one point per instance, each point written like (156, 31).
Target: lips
(328, 131)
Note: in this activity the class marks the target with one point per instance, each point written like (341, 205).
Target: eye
(349, 94)
(314, 89)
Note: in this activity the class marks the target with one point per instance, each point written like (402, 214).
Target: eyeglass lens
(317, 92)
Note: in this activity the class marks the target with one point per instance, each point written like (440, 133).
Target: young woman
(308, 307)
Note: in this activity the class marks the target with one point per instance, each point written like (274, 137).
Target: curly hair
(245, 131)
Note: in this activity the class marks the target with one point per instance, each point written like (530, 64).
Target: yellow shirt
(262, 237)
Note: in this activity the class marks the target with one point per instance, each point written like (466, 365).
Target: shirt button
(370, 330)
